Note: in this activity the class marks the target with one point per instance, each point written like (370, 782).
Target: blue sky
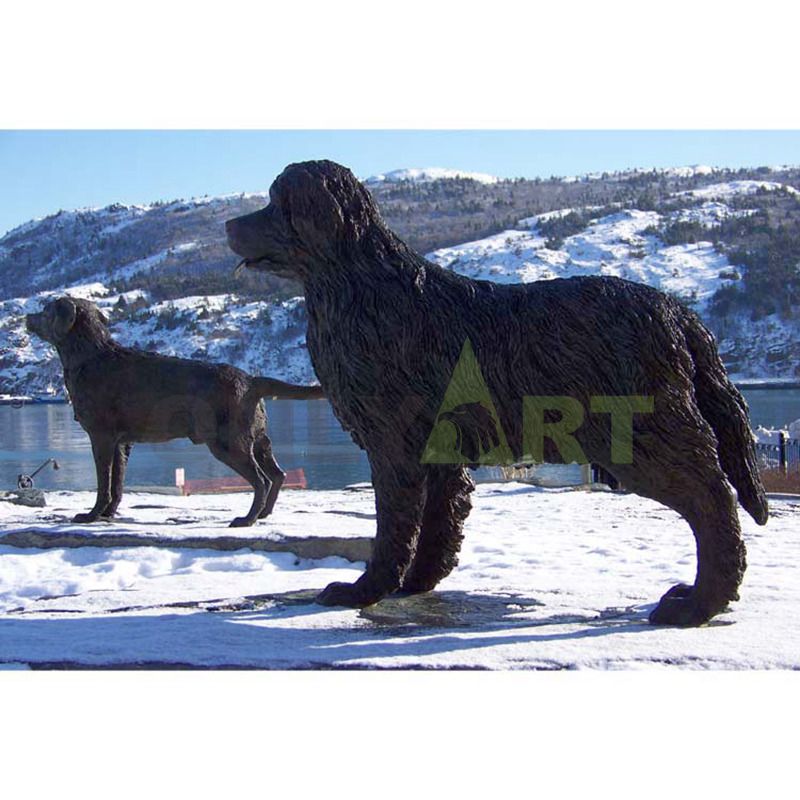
(44, 171)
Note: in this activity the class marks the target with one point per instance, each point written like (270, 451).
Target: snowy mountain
(119, 242)
(428, 174)
(162, 272)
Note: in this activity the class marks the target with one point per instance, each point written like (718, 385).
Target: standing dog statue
(121, 395)
(385, 333)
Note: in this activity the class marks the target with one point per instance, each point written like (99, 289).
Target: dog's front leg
(103, 450)
(122, 453)
(399, 499)
(447, 506)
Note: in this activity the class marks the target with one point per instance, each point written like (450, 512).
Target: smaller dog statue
(121, 395)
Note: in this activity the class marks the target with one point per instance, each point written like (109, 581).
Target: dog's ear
(64, 314)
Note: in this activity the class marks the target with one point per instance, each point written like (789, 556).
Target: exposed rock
(351, 548)
(25, 497)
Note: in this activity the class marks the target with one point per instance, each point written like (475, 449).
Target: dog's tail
(725, 409)
(278, 390)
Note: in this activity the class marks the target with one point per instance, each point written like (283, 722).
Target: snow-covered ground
(548, 579)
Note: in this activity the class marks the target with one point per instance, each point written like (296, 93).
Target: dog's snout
(233, 233)
(249, 236)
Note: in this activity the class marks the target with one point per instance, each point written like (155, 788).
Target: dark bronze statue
(121, 395)
(385, 333)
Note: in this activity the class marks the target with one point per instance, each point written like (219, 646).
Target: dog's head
(319, 214)
(64, 316)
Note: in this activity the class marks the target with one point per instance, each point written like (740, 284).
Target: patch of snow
(769, 435)
(678, 172)
(211, 200)
(149, 262)
(84, 291)
(732, 189)
(94, 291)
(531, 222)
(427, 174)
(709, 214)
(613, 245)
(761, 349)
(688, 172)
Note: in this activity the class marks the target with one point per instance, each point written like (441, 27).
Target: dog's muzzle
(33, 323)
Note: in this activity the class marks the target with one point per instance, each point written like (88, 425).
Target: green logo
(467, 429)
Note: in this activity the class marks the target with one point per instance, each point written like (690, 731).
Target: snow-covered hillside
(615, 245)
(673, 172)
(119, 241)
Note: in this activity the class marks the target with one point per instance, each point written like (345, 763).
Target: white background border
(351, 64)
(415, 64)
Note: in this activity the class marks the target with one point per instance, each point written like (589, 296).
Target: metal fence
(785, 455)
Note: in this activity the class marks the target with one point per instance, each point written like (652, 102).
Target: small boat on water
(15, 400)
(19, 400)
(51, 394)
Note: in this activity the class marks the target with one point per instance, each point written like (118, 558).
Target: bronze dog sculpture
(385, 330)
(121, 395)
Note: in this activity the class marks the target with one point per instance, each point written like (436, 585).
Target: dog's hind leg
(721, 557)
(243, 461)
(447, 506)
(271, 469)
(399, 495)
(103, 449)
(121, 456)
(693, 484)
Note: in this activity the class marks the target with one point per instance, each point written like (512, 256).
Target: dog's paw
(241, 522)
(344, 594)
(680, 606)
(678, 591)
(82, 519)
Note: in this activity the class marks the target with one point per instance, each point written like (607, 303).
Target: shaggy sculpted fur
(121, 396)
(386, 328)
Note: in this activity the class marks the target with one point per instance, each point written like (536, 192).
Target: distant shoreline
(17, 402)
(745, 385)
(751, 385)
